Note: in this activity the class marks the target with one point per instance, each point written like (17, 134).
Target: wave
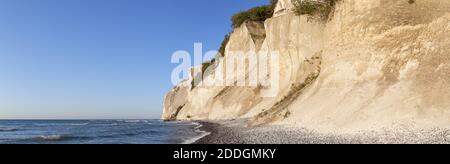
(79, 124)
(197, 129)
(8, 129)
(54, 138)
(50, 138)
(134, 121)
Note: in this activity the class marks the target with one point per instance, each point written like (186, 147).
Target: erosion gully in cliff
(373, 64)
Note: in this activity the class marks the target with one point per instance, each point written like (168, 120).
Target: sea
(99, 132)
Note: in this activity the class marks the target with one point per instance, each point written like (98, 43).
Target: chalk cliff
(372, 64)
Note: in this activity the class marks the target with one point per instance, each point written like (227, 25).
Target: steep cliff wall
(373, 64)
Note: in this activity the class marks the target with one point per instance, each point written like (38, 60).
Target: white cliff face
(375, 63)
(220, 102)
(378, 69)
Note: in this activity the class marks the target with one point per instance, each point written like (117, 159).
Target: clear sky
(100, 59)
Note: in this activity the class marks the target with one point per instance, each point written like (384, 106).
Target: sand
(235, 132)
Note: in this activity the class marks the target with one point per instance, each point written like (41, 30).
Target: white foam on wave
(51, 137)
(80, 124)
(132, 121)
(197, 130)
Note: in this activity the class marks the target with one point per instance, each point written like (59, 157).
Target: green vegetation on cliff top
(318, 9)
(260, 14)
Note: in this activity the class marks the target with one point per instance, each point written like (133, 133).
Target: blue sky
(100, 59)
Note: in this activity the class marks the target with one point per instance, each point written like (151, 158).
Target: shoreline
(214, 133)
(235, 132)
(203, 133)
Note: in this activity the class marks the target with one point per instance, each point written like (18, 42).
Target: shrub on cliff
(260, 13)
(223, 45)
(314, 8)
